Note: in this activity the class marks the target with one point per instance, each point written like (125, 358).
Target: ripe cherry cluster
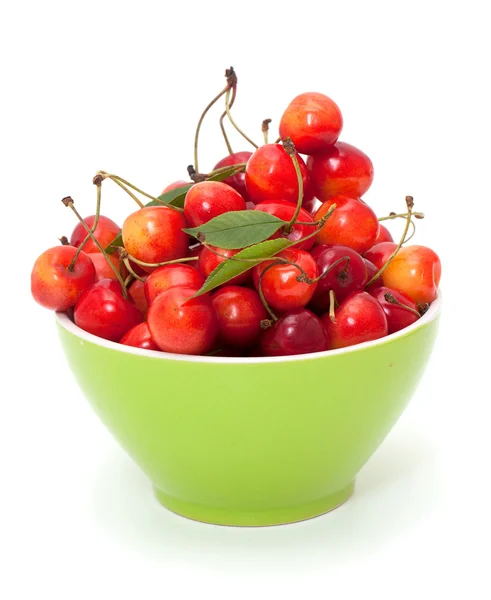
(267, 255)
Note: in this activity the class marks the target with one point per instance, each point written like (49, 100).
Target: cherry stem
(198, 127)
(64, 241)
(133, 187)
(265, 129)
(98, 184)
(68, 201)
(320, 224)
(129, 280)
(392, 215)
(412, 232)
(289, 147)
(131, 271)
(161, 264)
(345, 259)
(393, 300)
(230, 118)
(332, 305)
(222, 117)
(409, 204)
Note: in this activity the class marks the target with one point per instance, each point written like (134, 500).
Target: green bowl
(251, 441)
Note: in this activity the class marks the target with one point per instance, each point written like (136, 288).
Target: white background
(119, 86)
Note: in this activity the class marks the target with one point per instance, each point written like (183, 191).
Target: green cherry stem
(129, 280)
(332, 305)
(68, 201)
(320, 224)
(231, 119)
(98, 184)
(222, 117)
(409, 204)
(416, 215)
(131, 271)
(289, 147)
(393, 300)
(345, 259)
(161, 264)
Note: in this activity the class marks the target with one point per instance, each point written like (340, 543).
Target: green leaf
(116, 243)
(237, 229)
(232, 267)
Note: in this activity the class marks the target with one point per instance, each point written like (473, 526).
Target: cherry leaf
(116, 243)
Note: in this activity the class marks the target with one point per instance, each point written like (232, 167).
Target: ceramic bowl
(251, 441)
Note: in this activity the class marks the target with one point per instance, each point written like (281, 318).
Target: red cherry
(398, 317)
(371, 270)
(280, 287)
(136, 293)
(154, 234)
(270, 175)
(341, 170)
(416, 271)
(105, 232)
(380, 254)
(285, 211)
(53, 285)
(360, 318)
(353, 224)
(240, 312)
(346, 277)
(208, 199)
(297, 332)
(102, 311)
(384, 235)
(236, 181)
(209, 259)
(175, 185)
(139, 337)
(181, 324)
(102, 268)
(169, 276)
(313, 121)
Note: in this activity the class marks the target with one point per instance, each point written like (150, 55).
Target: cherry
(384, 235)
(136, 292)
(371, 270)
(416, 271)
(398, 317)
(102, 311)
(348, 276)
(359, 318)
(210, 257)
(313, 121)
(139, 337)
(353, 224)
(154, 234)
(297, 332)
(340, 170)
(105, 232)
(175, 185)
(102, 268)
(280, 286)
(285, 211)
(270, 175)
(169, 276)
(182, 324)
(208, 199)
(236, 181)
(56, 287)
(240, 312)
(379, 254)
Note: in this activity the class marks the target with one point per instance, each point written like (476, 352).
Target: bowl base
(255, 518)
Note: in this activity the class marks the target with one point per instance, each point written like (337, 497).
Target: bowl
(251, 441)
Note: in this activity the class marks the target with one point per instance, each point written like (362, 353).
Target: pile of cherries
(339, 280)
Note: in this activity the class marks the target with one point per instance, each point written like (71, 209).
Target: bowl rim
(64, 321)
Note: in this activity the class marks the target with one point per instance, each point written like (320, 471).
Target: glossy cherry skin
(136, 292)
(53, 285)
(360, 318)
(102, 268)
(102, 311)
(270, 175)
(398, 317)
(279, 283)
(208, 199)
(105, 232)
(379, 254)
(175, 185)
(181, 324)
(209, 260)
(341, 170)
(346, 277)
(240, 312)
(154, 234)
(416, 271)
(297, 332)
(285, 211)
(139, 337)
(371, 270)
(353, 224)
(169, 276)
(236, 181)
(384, 235)
(313, 121)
